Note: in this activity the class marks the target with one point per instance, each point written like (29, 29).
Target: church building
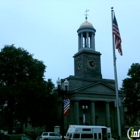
(92, 98)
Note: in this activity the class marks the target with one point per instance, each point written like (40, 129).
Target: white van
(87, 132)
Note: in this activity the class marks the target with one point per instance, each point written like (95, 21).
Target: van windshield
(69, 135)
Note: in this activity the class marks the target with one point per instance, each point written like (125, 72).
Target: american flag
(117, 36)
(66, 106)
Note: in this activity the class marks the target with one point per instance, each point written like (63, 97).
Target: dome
(86, 23)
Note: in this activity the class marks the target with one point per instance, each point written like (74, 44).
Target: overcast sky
(48, 30)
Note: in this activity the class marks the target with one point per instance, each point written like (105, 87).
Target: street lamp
(61, 92)
(85, 108)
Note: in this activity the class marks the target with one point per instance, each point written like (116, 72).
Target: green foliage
(131, 90)
(23, 87)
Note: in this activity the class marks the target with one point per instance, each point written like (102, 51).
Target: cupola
(86, 36)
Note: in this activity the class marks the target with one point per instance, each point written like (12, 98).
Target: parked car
(49, 136)
(16, 137)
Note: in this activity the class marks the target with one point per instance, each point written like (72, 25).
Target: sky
(48, 30)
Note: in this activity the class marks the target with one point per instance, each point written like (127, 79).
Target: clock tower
(87, 61)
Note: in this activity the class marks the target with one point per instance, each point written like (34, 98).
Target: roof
(86, 126)
(86, 23)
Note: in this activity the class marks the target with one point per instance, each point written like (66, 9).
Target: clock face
(91, 63)
(79, 64)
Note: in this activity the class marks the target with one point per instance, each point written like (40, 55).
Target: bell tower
(87, 60)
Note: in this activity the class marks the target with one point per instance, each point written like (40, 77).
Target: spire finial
(86, 14)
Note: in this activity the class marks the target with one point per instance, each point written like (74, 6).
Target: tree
(131, 90)
(22, 86)
(45, 112)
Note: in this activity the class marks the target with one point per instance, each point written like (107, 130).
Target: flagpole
(116, 81)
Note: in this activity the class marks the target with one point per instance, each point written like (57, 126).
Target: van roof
(86, 126)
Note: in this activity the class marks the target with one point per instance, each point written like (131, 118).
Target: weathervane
(86, 14)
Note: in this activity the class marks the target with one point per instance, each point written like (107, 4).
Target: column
(91, 41)
(76, 112)
(87, 41)
(92, 113)
(81, 44)
(92, 44)
(107, 114)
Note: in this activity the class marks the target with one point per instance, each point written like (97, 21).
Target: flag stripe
(117, 36)
(66, 106)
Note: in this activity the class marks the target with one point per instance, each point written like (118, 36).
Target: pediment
(100, 87)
